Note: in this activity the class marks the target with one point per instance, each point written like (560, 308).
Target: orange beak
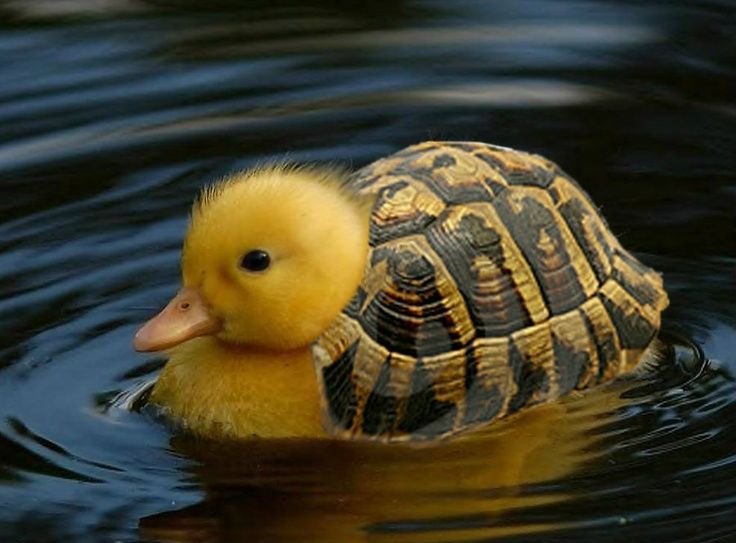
(185, 317)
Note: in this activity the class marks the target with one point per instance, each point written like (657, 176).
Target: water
(114, 112)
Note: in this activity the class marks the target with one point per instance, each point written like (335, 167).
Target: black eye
(256, 261)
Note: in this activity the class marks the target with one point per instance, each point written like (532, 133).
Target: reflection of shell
(492, 284)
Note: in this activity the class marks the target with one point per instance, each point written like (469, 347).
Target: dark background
(113, 113)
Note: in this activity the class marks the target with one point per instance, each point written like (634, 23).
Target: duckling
(430, 293)
(270, 258)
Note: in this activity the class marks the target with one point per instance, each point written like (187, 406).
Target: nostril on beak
(184, 306)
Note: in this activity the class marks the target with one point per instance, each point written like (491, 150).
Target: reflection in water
(342, 491)
(115, 112)
(459, 490)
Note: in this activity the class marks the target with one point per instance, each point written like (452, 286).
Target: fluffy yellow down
(255, 377)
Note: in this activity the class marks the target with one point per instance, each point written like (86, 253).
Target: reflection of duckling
(480, 281)
(341, 491)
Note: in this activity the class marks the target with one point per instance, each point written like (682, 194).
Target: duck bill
(185, 317)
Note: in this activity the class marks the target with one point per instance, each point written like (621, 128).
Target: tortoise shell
(492, 284)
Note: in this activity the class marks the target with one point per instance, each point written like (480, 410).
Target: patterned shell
(492, 284)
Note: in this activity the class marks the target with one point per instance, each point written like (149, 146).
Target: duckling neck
(220, 390)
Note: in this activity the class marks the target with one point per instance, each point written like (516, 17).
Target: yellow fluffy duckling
(271, 257)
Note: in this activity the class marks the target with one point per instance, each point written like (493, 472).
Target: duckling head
(270, 259)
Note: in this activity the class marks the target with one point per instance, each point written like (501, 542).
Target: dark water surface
(113, 112)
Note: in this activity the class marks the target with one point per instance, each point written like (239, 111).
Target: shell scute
(605, 338)
(404, 206)
(564, 275)
(380, 409)
(518, 168)
(450, 171)
(487, 376)
(424, 414)
(484, 269)
(532, 379)
(638, 281)
(418, 309)
(635, 330)
(337, 387)
(587, 226)
(574, 352)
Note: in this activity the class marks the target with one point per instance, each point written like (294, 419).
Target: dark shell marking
(493, 284)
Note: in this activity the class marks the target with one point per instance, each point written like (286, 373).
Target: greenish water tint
(113, 113)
